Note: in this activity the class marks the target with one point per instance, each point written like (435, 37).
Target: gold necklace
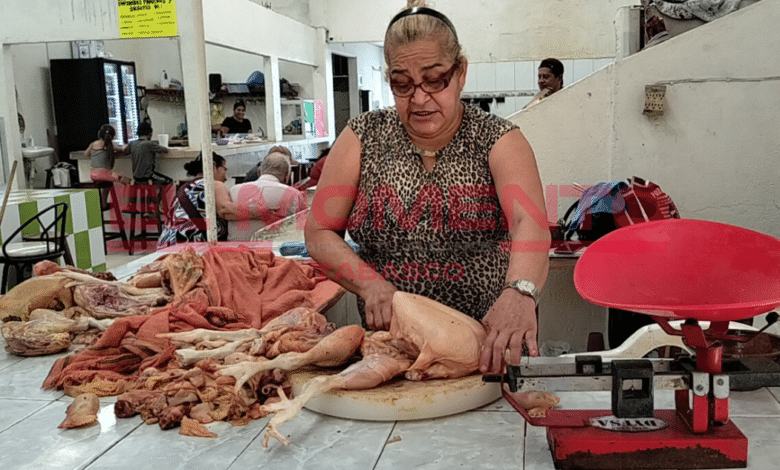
(428, 153)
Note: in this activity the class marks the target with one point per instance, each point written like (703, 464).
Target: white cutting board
(399, 399)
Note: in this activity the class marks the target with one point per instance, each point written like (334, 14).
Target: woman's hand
(509, 323)
(379, 304)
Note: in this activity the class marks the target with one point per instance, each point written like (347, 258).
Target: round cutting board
(400, 399)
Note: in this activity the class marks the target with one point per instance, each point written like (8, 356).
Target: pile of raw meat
(194, 340)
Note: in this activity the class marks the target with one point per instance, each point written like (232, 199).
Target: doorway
(346, 101)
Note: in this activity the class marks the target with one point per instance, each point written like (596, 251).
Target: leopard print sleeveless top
(435, 234)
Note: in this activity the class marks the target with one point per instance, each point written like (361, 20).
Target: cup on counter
(162, 139)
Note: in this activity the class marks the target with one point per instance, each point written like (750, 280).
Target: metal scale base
(673, 447)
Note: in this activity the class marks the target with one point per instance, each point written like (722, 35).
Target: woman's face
(426, 115)
(220, 173)
(239, 113)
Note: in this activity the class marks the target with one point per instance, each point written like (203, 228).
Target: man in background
(254, 173)
(549, 79)
(266, 200)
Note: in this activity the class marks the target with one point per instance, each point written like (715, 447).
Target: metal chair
(49, 244)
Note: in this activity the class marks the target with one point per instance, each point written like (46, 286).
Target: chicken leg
(334, 350)
(369, 372)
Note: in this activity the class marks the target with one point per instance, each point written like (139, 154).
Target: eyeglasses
(406, 89)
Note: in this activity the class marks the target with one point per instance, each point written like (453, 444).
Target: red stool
(109, 202)
(145, 203)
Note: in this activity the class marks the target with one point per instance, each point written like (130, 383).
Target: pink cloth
(104, 174)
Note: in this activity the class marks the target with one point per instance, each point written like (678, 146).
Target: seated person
(254, 173)
(102, 155)
(190, 203)
(237, 124)
(268, 199)
(314, 174)
(144, 153)
(549, 79)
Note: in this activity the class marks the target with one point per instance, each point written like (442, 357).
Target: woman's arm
(225, 207)
(327, 222)
(88, 152)
(511, 320)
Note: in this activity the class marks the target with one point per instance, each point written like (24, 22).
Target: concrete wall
(495, 31)
(715, 149)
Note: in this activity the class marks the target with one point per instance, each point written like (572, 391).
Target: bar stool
(145, 204)
(107, 190)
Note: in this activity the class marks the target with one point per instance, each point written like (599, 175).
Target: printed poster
(147, 18)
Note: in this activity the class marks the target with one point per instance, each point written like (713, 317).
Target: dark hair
(106, 133)
(555, 66)
(324, 153)
(195, 167)
(144, 129)
(654, 26)
(239, 102)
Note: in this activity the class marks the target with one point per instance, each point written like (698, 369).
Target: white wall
(495, 31)
(716, 148)
(25, 21)
(246, 26)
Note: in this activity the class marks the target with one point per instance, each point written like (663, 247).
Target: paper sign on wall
(147, 18)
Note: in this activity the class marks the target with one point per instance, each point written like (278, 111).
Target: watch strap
(525, 287)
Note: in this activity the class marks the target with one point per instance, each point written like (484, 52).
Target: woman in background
(102, 154)
(237, 123)
(190, 203)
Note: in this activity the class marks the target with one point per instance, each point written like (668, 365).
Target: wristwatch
(525, 287)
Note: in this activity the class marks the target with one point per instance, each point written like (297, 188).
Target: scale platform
(673, 447)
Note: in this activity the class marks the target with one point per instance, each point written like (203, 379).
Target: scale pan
(683, 268)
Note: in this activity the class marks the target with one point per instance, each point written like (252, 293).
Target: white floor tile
(320, 442)
(13, 410)
(168, 450)
(36, 443)
(23, 379)
(475, 440)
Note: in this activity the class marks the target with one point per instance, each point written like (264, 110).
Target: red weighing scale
(706, 274)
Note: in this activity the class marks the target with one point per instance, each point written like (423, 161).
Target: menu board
(147, 18)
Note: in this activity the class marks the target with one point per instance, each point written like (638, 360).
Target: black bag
(592, 216)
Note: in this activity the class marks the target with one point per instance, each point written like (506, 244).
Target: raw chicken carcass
(369, 372)
(448, 342)
(334, 350)
(426, 340)
(49, 292)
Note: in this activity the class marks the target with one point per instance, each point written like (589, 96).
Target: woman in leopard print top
(443, 199)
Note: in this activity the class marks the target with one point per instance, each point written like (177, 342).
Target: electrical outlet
(655, 100)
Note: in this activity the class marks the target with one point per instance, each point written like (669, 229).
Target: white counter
(241, 157)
